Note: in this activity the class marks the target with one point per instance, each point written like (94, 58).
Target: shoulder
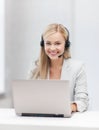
(74, 62)
(75, 65)
(33, 67)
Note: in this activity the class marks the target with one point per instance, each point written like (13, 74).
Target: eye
(57, 43)
(48, 43)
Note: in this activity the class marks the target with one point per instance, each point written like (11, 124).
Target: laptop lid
(42, 97)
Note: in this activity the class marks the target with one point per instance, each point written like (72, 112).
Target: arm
(80, 91)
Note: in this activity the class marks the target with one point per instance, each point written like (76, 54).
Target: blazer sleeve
(80, 90)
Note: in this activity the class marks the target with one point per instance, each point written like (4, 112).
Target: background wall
(24, 24)
(2, 46)
(86, 44)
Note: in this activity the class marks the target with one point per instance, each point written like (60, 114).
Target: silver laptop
(48, 98)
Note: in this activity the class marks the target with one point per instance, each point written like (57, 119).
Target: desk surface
(87, 120)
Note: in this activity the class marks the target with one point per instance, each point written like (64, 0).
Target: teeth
(53, 53)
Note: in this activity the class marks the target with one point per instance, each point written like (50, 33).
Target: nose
(52, 47)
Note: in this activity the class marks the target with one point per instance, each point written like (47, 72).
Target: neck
(56, 63)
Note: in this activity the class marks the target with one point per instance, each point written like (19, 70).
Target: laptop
(43, 98)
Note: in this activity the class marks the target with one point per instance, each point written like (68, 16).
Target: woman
(55, 63)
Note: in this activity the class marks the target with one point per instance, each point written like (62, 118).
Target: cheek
(46, 49)
(61, 48)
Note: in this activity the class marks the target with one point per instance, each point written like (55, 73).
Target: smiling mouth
(53, 54)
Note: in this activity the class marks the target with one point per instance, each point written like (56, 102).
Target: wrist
(74, 107)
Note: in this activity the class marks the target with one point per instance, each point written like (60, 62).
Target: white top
(75, 72)
(88, 119)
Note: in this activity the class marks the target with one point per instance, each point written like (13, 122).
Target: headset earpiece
(42, 42)
(67, 43)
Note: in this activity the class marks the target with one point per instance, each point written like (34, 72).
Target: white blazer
(75, 72)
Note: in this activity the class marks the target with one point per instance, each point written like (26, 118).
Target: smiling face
(54, 45)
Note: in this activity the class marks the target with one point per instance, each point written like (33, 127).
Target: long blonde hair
(42, 64)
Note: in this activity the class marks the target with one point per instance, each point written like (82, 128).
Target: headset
(67, 42)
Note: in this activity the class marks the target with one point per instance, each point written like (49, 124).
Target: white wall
(2, 45)
(86, 44)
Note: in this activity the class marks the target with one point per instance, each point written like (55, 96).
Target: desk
(79, 121)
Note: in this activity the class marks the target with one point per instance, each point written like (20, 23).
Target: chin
(53, 58)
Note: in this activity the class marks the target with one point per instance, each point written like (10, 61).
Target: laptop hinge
(42, 115)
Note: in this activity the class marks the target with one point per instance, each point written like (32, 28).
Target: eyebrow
(54, 42)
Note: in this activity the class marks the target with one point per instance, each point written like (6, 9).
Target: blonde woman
(55, 62)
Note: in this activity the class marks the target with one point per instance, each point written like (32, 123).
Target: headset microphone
(60, 55)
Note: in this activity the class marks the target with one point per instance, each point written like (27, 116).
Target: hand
(73, 107)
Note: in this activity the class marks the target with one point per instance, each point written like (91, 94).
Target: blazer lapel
(65, 74)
